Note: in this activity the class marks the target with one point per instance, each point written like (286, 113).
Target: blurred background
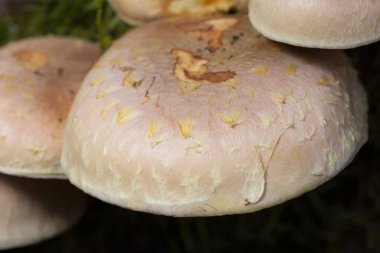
(341, 216)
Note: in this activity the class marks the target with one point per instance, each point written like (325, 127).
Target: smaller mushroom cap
(337, 24)
(39, 78)
(138, 11)
(34, 210)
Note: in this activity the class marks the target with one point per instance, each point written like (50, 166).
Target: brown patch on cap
(31, 59)
(210, 31)
(192, 68)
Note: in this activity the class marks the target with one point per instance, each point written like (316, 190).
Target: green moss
(71, 17)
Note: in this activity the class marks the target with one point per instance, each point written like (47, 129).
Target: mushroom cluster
(200, 111)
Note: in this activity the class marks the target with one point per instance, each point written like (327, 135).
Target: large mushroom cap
(39, 78)
(318, 23)
(137, 11)
(193, 117)
(34, 210)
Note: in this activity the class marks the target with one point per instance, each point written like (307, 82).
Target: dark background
(341, 216)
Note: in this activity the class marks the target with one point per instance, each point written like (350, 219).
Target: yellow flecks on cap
(234, 148)
(216, 177)
(196, 146)
(291, 70)
(301, 113)
(337, 94)
(28, 95)
(232, 120)
(149, 98)
(151, 133)
(186, 127)
(290, 98)
(117, 60)
(33, 149)
(323, 80)
(250, 92)
(189, 87)
(106, 109)
(130, 80)
(124, 115)
(102, 93)
(152, 128)
(288, 123)
(97, 81)
(31, 59)
(336, 82)
(266, 119)
(230, 84)
(260, 69)
(326, 101)
(308, 135)
(279, 98)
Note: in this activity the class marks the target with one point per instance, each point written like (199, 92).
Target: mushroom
(335, 24)
(39, 78)
(138, 11)
(192, 117)
(34, 210)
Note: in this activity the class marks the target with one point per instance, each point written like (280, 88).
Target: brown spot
(126, 69)
(31, 59)
(60, 71)
(210, 31)
(192, 68)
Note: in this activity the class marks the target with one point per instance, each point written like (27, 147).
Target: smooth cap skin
(138, 11)
(34, 210)
(204, 116)
(336, 24)
(39, 78)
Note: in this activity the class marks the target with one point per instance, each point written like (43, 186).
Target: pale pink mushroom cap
(139, 11)
(204, 116)
(318, 23)
(39, 78)
(34, 210)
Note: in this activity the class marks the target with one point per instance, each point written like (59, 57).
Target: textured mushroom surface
(30, 210)
(334, 24)
(193, 117)
(137, 11)
(39, 78)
